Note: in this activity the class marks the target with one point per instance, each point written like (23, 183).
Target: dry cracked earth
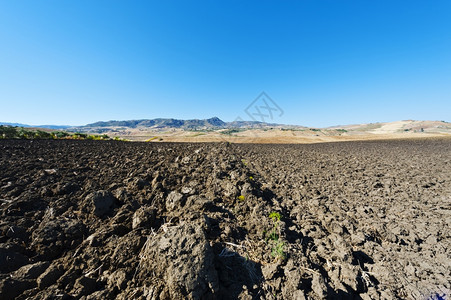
(122, 220)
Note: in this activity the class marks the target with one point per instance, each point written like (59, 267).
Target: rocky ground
(106, 220)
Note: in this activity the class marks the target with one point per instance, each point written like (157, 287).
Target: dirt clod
(102, 202)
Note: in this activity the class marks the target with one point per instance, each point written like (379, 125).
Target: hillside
(398, 126)
(169, 123)
(216, 130)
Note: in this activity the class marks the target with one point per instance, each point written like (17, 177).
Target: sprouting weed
(241, 198)
(251, 178)
(278, 250)
(275, 216)
(273, 235)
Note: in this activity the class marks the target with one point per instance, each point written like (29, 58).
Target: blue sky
(323, 62)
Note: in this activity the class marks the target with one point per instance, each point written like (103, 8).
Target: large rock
(229, 189)
(53, 237)
(183, 258)
(319, 286)
(10, 258)
(118, 279)
(66, 188)
(31, 271)
(174, 201)
(84, 286)
(50, 276)
(270, 270)
(102, 202)
(10, 288)
(138, 183)
(144, 217)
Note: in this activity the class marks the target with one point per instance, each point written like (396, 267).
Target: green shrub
(23, 133)
(97, 137)
(79, 135)
(8, 132)
(232, 131)
(60, 134)
(39, 134)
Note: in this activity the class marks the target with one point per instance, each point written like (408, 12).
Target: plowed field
(125, 220)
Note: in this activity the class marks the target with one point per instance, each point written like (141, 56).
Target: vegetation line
(9, 132)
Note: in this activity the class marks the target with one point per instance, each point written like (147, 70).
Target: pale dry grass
(278, 135)
(262, 139)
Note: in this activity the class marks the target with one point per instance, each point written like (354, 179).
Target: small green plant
(251, 178)
(278, 250)
(273, 235)
(275, 216)
(241, 198)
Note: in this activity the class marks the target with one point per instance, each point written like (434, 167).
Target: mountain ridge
(216, 123)
(35, 126)
(210, 123)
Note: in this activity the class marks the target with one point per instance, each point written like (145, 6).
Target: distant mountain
(54, 126)
(212, 123)
(215, 123)
(14, 124)
(160, 123)
(36, 126)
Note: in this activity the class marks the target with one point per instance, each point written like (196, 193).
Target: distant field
(275, 136)
(284, 134)
(219, 131)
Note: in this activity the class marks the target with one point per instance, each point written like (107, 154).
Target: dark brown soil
(122, 220)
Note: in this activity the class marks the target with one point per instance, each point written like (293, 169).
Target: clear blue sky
(323, 62)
